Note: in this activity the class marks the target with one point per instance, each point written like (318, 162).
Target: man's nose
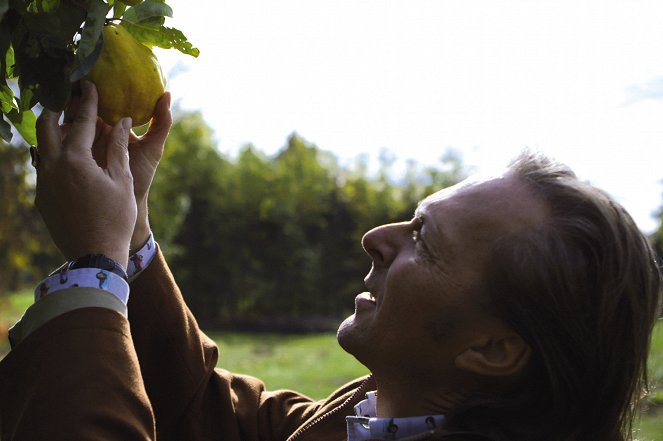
(382, 243)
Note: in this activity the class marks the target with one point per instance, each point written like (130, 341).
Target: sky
(581, 81)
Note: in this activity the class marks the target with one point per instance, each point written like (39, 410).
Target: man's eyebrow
(420, 210)
(428, 222)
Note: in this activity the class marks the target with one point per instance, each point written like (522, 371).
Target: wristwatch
(99, 261)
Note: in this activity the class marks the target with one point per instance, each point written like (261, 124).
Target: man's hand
(88, 206)
(145, 153)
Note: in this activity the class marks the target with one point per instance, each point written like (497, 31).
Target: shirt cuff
(141, 258)
(83, 278)
(63, 277)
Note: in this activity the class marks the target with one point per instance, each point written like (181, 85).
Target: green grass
(650, 426)
(12, 306)
(316, 365)
(311, 364)
(11, 309)
(656, 359)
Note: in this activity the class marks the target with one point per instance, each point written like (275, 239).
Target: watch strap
(101, 262)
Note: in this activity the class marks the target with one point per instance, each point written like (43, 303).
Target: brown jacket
(90, 374)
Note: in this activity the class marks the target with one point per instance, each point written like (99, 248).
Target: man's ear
(501, 353)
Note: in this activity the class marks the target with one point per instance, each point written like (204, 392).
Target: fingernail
(126, 123)
(167, 99)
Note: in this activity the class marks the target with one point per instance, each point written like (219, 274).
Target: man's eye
(416, 237)
(416, 232)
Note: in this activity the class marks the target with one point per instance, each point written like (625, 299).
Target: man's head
(510, 295)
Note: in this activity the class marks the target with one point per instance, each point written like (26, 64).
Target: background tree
(255, 240)
(26, 250)
(657, 238)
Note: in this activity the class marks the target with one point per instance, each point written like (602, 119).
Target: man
(513, 308)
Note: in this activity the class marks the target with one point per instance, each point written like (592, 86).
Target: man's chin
(346, 334)
(352, 336)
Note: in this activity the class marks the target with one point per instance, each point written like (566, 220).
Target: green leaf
(39, 6)
(5, 45)
(5, 130)
(10, 63)
(46, 74)
(7, 98)
(71, 14)
(18, 6)
(87, 64)
(26, 123)
(147, 10)
(118, 9)
(53, 93)
(162, 36)
(131, 2)
(94, 23)
(4, 7)
(27, 100)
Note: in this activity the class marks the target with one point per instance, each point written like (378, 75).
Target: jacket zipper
(334, 411)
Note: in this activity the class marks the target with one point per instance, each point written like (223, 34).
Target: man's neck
(399, 399)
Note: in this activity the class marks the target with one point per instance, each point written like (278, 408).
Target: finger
(49, 138)
(117, 156)
(82, 133)
(99, 148)
(74, 103)
(162, 112)
(133, 137)
(160, 125)
(101, 128)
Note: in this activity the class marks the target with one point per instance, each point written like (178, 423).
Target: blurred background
(580, 80)
(305, 123)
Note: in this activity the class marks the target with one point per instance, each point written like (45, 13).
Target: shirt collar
(366, 425)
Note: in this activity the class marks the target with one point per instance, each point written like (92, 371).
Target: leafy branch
(47, 45)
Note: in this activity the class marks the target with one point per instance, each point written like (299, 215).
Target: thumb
(117, 155)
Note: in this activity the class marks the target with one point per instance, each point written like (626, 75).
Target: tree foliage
(251, 237)
(657, 238)
(48, 45)
(26, 251)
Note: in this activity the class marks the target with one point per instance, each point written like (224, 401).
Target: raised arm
(76, 375)
(191, 399)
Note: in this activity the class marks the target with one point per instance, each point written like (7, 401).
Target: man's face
(423, 308)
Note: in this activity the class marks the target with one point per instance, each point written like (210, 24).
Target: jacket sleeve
(75, 377)
(191, 399)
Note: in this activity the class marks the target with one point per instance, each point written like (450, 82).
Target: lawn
(316, 365)
(311, 364)
(651, 423)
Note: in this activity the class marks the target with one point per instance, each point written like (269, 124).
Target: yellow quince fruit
(128, 77)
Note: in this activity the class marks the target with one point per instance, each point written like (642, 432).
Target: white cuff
(141, 258)
(84, 278)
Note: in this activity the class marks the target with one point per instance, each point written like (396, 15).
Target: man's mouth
(366, 298)
(370, 294)
(371, 289)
